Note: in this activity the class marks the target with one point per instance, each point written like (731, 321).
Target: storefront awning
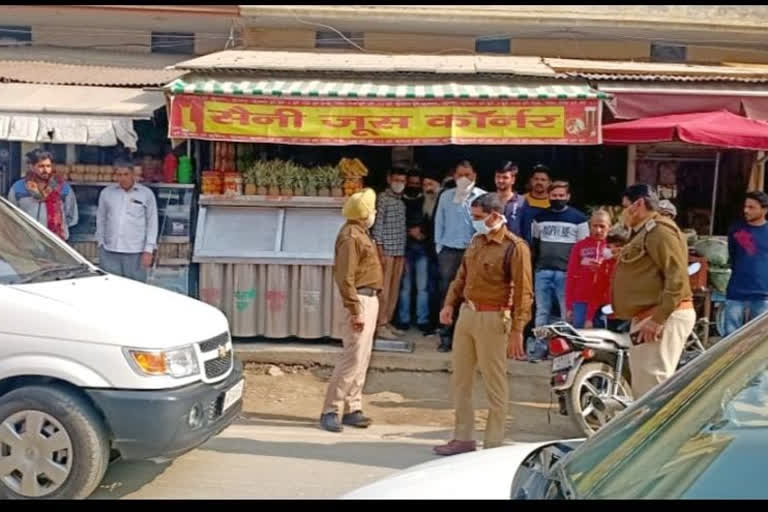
(632, 100)
(98, 116)
(389, 113)
(383, 89)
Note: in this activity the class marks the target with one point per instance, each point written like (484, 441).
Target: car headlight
(177, 363)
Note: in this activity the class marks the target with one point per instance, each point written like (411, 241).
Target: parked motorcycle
(590, 368)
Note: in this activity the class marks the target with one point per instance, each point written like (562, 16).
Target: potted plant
(260, 173)
(251, 177)
(323, 181)
(299, 173)
(336, 182)
(285, 179)
(310, 182)
(270, 178)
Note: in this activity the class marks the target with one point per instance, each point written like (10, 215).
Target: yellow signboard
(383, 122)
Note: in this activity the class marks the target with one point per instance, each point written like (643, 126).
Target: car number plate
(234, 394)
(564, 362)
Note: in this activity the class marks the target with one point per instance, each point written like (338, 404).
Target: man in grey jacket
(44, 196)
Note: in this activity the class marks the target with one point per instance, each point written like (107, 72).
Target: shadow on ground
(126, 477)
(374, 454)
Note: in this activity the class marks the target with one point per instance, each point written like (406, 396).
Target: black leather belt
(368, 292)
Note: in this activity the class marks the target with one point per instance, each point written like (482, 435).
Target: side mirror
(607, 310)
(693, 268)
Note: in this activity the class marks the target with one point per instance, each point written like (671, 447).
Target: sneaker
(396, 331)
(455, 447)
(386, 333)
(330, 422)
(443, 348)
(427, 330)
(537, 351)
(356, 419)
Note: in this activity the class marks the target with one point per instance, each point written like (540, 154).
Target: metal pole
(714, 195)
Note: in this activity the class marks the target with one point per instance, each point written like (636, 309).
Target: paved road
(276, 459)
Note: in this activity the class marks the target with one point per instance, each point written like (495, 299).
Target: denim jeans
(416, 269)
(739, 312)
(448, 263)
(580, 316)
(549, 287)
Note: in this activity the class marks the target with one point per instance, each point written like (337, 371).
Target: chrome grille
(219, 366)
(214, 343)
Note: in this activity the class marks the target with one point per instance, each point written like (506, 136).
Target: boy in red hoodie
(588, 278)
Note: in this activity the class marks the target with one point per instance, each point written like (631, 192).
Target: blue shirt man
(453, 232)
(747, 294)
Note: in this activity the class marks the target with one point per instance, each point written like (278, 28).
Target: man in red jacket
(585, 283)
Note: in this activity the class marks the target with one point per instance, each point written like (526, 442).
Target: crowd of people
(424, 226)
(496, 258)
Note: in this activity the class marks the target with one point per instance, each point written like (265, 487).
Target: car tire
(65, 421)
(575, 398)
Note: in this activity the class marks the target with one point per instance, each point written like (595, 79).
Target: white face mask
(482, 228)
(464, 184)
(370, 221)
(398, 188)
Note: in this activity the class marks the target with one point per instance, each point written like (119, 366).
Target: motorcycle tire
(577, 401)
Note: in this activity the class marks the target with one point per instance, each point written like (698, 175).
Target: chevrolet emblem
(223, 351)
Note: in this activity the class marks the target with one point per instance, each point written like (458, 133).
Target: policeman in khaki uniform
(494, 281)
(358, 275)
(652, 288)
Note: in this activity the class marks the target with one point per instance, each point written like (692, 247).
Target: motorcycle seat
(621, 339)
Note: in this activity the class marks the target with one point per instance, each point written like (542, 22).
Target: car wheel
(53, 445)
(593, 380)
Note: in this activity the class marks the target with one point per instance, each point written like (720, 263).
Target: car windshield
(27, 253)
(701, 435)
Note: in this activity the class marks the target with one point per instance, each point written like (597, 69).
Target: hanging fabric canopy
(720, 129)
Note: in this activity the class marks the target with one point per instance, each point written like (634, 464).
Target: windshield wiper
(70, 271)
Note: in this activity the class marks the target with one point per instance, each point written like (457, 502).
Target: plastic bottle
(170, 167)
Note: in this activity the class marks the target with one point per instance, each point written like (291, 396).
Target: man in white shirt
(126, 227)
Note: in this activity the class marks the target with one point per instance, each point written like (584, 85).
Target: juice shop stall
(279, 154)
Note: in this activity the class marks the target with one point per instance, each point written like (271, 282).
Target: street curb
(327, 355)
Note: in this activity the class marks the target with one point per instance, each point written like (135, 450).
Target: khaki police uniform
(496, 300)
(358, 275)
(651, 280)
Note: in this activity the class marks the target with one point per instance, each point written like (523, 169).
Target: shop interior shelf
(152, 185)
(298, 201)
(90, 237)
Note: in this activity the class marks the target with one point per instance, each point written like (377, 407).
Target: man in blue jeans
(554, 232)
(747, 294)
(416, 258)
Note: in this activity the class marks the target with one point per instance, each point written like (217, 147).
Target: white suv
(94, 367)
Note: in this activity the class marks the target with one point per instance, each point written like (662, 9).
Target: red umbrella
(721, 129)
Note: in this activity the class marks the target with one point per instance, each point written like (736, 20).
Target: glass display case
(176, 216)
(267, 263)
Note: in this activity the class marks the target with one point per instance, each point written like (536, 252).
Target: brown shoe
(455, 447)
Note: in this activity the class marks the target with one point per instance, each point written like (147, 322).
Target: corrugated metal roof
(251, 60)
(380, 89)
(89, 57)
(76, 100)
(656, 71)
(66, 74)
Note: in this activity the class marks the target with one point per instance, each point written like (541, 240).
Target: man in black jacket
(416, 257)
